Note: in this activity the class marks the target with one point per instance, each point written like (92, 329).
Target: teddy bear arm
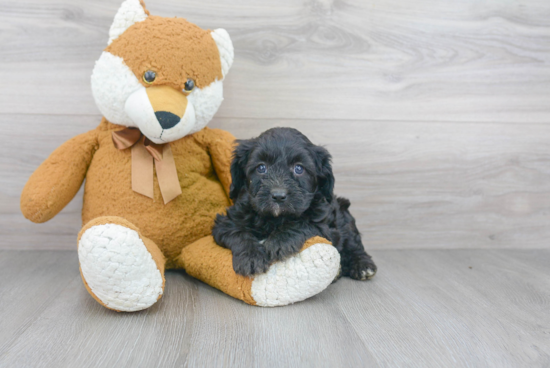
(57, 180)
(297, 278)
(220, 147)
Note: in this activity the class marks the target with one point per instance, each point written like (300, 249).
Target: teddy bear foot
(298, 277)
(295, 279)
(118, 268)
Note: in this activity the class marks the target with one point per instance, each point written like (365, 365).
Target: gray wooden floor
(440, 308)
(438, 118)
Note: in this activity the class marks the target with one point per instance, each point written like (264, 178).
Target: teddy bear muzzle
(168, 104)
(162, 113)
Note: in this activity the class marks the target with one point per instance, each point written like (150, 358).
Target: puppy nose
(278, 194)
(166, 119)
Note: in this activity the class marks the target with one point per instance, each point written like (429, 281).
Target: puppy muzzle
(279, 196)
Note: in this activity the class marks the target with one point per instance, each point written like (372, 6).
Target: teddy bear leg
(292, 280)
(121, 269)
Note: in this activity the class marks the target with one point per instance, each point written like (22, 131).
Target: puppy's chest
(263, 229)
(262, 233)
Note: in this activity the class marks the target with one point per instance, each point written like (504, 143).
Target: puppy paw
(362, 269)
(251, 262)
(277, 253)
(278, 250)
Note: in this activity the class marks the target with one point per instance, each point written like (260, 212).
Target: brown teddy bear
(156, 175)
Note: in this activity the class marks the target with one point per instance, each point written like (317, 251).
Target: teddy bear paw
(118, 269)
(298, 277)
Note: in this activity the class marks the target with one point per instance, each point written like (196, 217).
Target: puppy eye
(262, 169)
(149, 76)
(189, 85)
(298, 169)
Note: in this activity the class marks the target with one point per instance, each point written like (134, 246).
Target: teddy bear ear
(129, 13)
(225, 47)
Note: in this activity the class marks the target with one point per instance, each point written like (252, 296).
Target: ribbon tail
(142, 171)
(167, 175)
(156, 150)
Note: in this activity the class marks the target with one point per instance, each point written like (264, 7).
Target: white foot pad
(298, 278)
(118, 268)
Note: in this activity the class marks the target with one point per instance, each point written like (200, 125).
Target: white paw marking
(366, 274)
(370, 273)
(299, 277)
(118, 268)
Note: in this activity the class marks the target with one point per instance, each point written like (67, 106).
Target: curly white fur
(225, 47)
(129, 13)
(118, 268)
(298, 278)
(112, 84)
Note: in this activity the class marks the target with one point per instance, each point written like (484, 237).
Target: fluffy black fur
(276, 211)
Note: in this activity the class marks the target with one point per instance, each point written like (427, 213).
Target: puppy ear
(325, 177)
(238, 174)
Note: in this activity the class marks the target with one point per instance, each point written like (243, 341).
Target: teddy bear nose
(166, 119)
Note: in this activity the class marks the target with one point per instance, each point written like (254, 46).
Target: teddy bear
(156, 175)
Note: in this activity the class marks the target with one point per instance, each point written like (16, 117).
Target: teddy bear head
(163, 76)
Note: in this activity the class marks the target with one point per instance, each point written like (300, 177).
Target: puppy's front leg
(288, 240)
(249, 256)
(355, 261)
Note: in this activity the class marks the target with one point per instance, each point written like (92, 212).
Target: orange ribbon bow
(144, 154)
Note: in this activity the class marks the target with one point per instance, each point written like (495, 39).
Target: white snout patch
(139, 109)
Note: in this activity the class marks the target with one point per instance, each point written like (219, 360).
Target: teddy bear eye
(189, 85)
(298, 169)
(262, 169)
(149, 76)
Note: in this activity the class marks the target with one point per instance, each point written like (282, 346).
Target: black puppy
(283, 195)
